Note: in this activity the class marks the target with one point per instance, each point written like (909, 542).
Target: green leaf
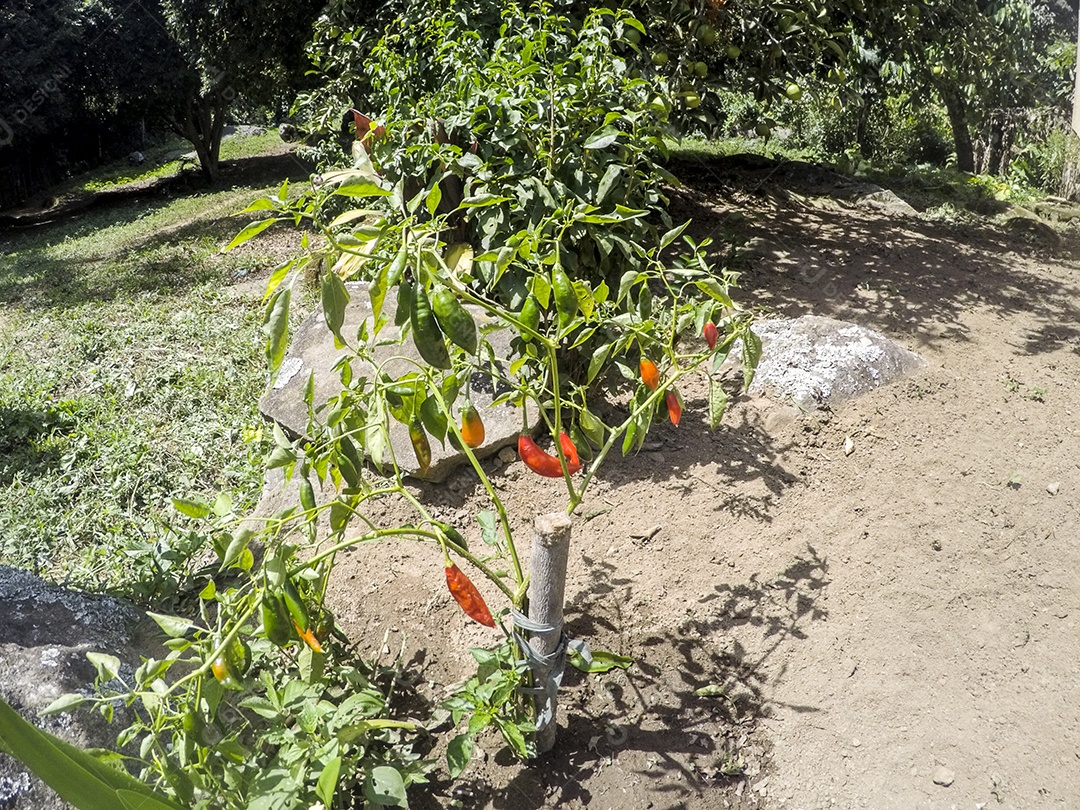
(434, 197)
(714, 289)
(131, 800)
(64, 703)
(327, 783)
(488, 532)
(172, 626)
(433, 419)
(361, 187)
(602, 661)
(628, 279)
(602, 138)
(237, 546)
(608, 181)
(192, 508)
(672, 235)
(513, 735)
(250, 232)
(481, 200)
(718, 403)
(751, 355)
(278, 276)
(458, 753)
(384, 787)
(334, 300)
(276, 327)
(598, 360)
(107, 666)
(75, 775)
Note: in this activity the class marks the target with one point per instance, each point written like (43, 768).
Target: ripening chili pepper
(472, 427)
(650, 374)
(544, 464)
(674, 408)
(466, 595)
(309, 637)
(710, 334)
(420, 445)
(225, 672)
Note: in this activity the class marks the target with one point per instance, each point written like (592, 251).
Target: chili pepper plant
(511, 182)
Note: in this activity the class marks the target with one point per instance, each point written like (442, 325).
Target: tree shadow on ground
(166, 261)
(681, 744)
(805, 251)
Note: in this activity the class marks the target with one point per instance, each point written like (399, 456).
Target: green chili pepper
(530, 315)
(277, 624)
(566, 301)
(452, 534)
(397, 267)
(307, 495)
(426, 333)
(454, 319)
(404, 302)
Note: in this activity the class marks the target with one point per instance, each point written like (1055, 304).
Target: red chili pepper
(466, 595)
(650, 374)
(570, 451)
(674, 409)
(710, 334)
(544, 464)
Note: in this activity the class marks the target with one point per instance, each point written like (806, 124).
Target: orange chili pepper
(650, 374)
(308, 636)
(466, 595)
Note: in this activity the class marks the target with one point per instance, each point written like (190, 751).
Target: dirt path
(877, 620)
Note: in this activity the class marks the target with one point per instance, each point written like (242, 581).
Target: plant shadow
(680, 726)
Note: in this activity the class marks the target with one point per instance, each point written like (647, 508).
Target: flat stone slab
(817, 361)
(312, 353)
(45, 633)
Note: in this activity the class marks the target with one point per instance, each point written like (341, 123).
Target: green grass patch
(130, 366)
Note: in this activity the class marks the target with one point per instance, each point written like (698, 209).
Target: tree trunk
(202, 124)
(1076, 85)
(1070, 175)
(957, 110)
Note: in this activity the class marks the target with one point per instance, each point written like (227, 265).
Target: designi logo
(7, 135)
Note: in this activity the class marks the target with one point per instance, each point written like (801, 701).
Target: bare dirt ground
(881, 622)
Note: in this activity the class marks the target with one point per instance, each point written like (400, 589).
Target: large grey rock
(45, 633)
(875, 198)
(819, 361)
(312, 353)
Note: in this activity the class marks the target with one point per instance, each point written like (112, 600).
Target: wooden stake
(547, 592)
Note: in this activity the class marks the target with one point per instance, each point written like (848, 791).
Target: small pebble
(507, 455)
(1053, 488)
(943, 776)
